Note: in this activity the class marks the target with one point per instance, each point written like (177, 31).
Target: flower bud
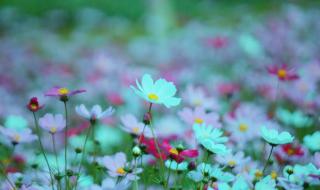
(147, 118)
(136, 151)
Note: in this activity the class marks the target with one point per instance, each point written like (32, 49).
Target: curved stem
(42, 149)
(266, 164)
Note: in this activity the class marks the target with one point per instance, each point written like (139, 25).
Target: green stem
(65, 144)
(6, 176)
(168, 177)
(41, 148)
(136, 185)
(266, 164)
(56, 156)
(82, 156)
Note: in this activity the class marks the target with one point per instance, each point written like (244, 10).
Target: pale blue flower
(209, 172)
(211, 138)
(266, 183)
(95, 112)
(312, 142)
(296, 119)
(273, 137)
(173, 165)
(159, 92)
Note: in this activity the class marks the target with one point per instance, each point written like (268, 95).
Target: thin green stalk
(42, 149)
(136, 185)
(82, 156)
(65, 144)
(56, 156)
(266, 164)
(168, 177)
(6, 176)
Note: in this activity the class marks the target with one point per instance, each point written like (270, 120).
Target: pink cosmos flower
(52, 123)
(290, 153)
(18, 136)
(62, 92)
(131, 125)
(179, 153)
(34, 105)
(199, 116)
(283, 72)
(117, 166)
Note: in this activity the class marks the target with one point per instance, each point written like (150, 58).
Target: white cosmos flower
(95, 112)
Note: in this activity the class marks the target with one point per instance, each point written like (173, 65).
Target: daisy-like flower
(273, 137)
(179, 153)
(117, 166)
(159, 92)
(62, 92)
(196, 97)
(131, 125)
(300, 174)
(283, 72)
(290, 153)
(52, 123)
(266, 183)
(18, 136)
(312, 142)
(199, 116)
(296, 119)
(34, 105)
(173, 165)
(207, 172)
(211, 138)
(95, 113)
(236, 161)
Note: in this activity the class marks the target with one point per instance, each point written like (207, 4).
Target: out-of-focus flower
(152, 149)
(312, 142)
(236, 161)
(159, 92)
(273, 137)
(52, 123)
(117, 166)
(207, 171)
(296, 119)
(111, 184)
(132, 126)
(18, 136)
(217, 42)
(199, 116)
(290, 153)
(300, 174)
(34, 105)
(95, 113)
(173, 165)
(15, 122)
(283, 72)
(179, 153)
(317, 159)
(211, 138)
(266, 183)
(62, 92)
(196, 97)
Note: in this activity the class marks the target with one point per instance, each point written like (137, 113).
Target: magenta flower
(199, 116)
(284, 73)
(62, 92)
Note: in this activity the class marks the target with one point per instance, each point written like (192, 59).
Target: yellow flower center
(16, 138)
(121, 171)
(63, 91)
(290, 151)
(282, 73)
(33, 106)
(153, 96)
(274, 175)
(232, 163)
(135, 130)
(197, 102)
(174, 151)
(198, 120)
(258, 174)
(53, 130)
(243, 127)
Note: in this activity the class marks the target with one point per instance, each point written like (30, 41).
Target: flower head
(131, 125)
(273, 137)
(158, 92)
(283, 72)
(95, 113)
(62, 92)
(179, 153)
(52, 123)
(173, 165)
(18, 136)
(34, 105)
(312, 142)
(199, 116)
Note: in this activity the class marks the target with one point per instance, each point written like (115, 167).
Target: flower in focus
(199, 116)
(131, 125)
(18, 136)
(211, 138)
(117, 166)
(283, 72)
(34, 105)
(95, 113)
(62, 93)
(312, 142)
(158, 92)
(52, 123)
(173, 165)
(273, 137)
